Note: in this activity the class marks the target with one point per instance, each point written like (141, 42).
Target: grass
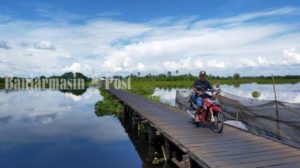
(108, 106)
(188, 84)
(146, 87)
(2, 85)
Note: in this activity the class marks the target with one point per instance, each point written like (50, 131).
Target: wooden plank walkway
(232, 148)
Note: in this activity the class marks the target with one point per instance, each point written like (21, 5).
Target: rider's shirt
(202, 84)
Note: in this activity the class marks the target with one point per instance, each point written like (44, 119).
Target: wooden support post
(139, 125)
(150, 134)
(129, 119)
(125, 113)
(133, 118)
(166, 150)
(237, 114)
(185, 163)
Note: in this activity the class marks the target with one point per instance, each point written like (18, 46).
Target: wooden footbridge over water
(201, 147)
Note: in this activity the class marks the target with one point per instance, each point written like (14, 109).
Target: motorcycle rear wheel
(219, 123)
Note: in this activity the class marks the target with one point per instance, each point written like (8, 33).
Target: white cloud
(4, 45)
(262, 61)
(248, 17)
(216, 64)
(184, 63)
(159, 46)
(46, 45)
(291, 56)
(76, 67)
(141, 66)
(4, 62)
(259, 62)
(246, 62)
(198, 63)
(72, 96)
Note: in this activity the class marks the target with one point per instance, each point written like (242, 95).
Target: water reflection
(47, 128)
(167, 95)
(285, 92)
(4, 120)
(286, 127)
(142, 145)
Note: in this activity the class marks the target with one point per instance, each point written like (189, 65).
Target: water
(284, 131)
(53, 129)
(285, 92)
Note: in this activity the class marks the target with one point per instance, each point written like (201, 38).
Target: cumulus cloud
(24, 44)
(259, 62)
(198, 63)
(291, 56)
(4, 45)
(169, 44)
(184, 63)
(216, 64)
(77, 67)
(141, 66)
(44, 45)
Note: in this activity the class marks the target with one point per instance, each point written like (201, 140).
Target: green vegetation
(255, 94)
(108, 106)
(70, 75)
(186, 79)
(144, 89)
(181, 81)
(236, 76)
(2, 83)
(145, 85)
(77, 92)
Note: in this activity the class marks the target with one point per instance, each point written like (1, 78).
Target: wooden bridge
(201, 147)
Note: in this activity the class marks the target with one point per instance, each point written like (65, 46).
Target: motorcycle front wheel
(219, 123)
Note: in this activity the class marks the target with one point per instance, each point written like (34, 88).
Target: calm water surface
(285, 92)
(53, 129)
(286, 132)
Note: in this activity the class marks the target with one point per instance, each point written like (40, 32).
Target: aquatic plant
(255, 94)
(108, 106)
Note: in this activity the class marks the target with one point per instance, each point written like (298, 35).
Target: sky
(117, 37)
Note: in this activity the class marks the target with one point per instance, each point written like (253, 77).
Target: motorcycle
(211, 108)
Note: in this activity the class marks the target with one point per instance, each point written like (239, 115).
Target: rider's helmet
(202, 73)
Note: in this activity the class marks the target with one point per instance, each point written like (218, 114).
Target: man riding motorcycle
(200, 86)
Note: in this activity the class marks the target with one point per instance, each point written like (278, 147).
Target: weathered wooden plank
(232, 148)
(207, 151)
(267, 155)
(248, 150)
(284, 165)
(268, 163)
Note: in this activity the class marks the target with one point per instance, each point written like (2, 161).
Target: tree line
(189, 77)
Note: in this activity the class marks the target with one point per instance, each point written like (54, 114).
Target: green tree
(236, 76)
(169, 73)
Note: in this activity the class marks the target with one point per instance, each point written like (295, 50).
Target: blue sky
(251, 37)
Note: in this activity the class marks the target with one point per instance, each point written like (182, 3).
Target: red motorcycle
(210, 112)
